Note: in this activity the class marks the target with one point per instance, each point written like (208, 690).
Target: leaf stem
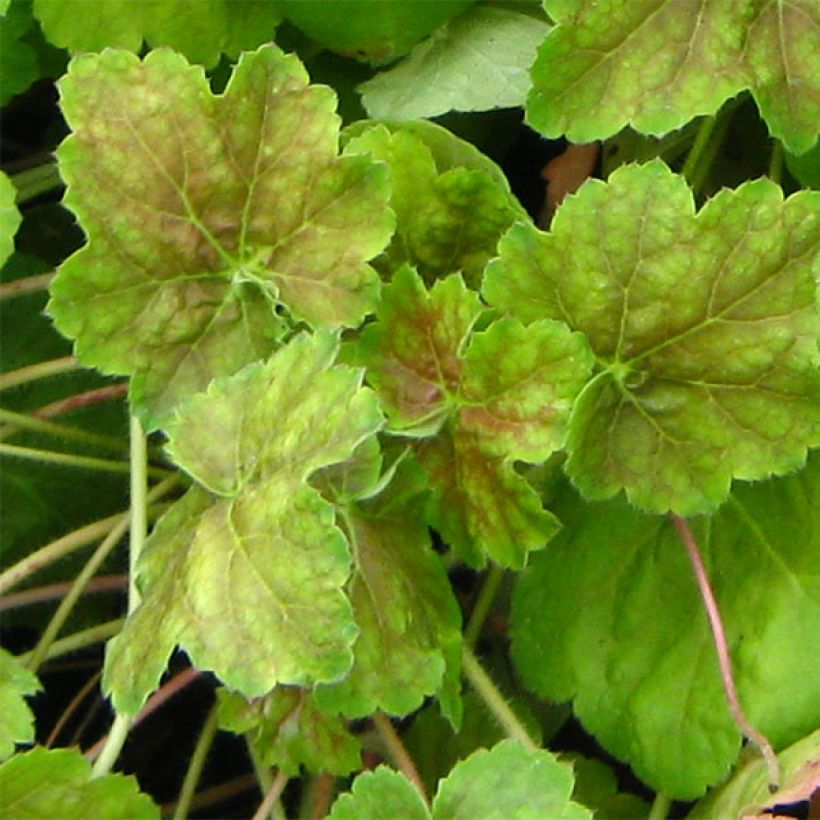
(267, 806)
(78, 640)
(99, 394)
(25, 286)
(197, 763)
(35, 181)
(483, 603)
(660, 807)
(41, 370)
(51, 592)
(73, 460)
(494, 700)
(58, 549)
(39, 425)
(265, 781)
(722, 648)
(399, 755)
(776, 163)
(693, 158)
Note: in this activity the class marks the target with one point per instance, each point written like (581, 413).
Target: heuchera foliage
(370, 368)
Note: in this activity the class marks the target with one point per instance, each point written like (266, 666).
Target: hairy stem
(197, 763)
(494, 700)
(41, 370)
(722, 649)
(399, 756)
(483, 604)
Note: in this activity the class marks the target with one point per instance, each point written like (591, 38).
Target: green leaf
(380, 795)
(204, 215)
(805, 168)
(20, 64)
(9, 218)
(248, 576)
(703, 326)
(613, 607)
(508, 781)
(373, 30)
(490, 408)
(477, 61)
(505, 781)
(403, 605)
(199, 29)
(289, 730)
(657, 66)
(17, 721)
(451, 207)
(70, 790)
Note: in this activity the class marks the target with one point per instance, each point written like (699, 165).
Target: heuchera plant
(407, 470)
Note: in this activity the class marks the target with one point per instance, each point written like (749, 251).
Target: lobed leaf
(488, 408)
(476, 61)
(199, 29)
(289, 730)
(452, 205)
(17, 721)
(70, 789)
(656, 66)
(613, 607)
(9, 218)
(247, 576)
(703, 325)
(206, 216)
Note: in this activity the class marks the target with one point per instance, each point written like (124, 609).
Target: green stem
(265, 779)
(660, 807)
(197, 763)
(78, 640)
(398, 754)
(704, 134)
(51, 592)
(776, 163)
(483, 604)
(35, 181)
(270, 805)
(494, 700)
(21, 420)
(72, 460)
(58, 549)
(41, 370)
(88, 571)
(26, 285)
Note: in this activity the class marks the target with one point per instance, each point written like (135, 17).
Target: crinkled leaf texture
(657, 65)
(403, 604)
(9, 218)
(505, 781)
(246, 571)
(452, 204)
(205, 215)
(289, 730)
(703, 325)
(16, 719)
(57, 783)
(612, 607)
(478, 401)
(477, 61)
(199, 29)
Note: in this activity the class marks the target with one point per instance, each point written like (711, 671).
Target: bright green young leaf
(199, 29)
(16, 719)
(248, 576)
(508, 781)
(747, 794)
(451, 209)
(20, 65)
(489, 408)
(612, 607)
(71, 793)
(656, 66)
(403, 604)
(373, 30)
(289, 730)
(205, 214)
(9, 218)
(381, 794)
(491, 784)
(703, 326)
(477, 61)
